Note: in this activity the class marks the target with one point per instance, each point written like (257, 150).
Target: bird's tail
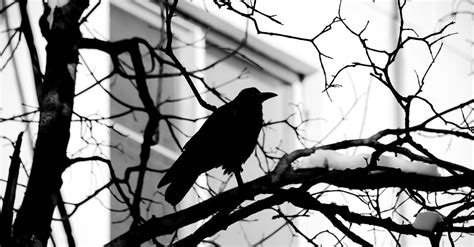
(175, 171)
(181, 178)
(179, 187)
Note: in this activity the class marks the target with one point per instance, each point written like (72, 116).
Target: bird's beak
(266, 95)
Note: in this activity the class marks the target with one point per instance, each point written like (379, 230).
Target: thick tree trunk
(32, 225)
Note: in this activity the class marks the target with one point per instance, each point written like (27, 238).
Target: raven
(226, 139)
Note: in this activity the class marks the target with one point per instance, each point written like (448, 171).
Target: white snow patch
(57, 3)
(330, 159)
(53, 4)
(336, 161)
(409, 166)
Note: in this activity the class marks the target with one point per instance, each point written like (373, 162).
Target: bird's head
(252, 94)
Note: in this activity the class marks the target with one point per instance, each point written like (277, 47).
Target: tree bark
(6, 214)
(32, 225)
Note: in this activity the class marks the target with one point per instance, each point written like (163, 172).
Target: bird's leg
(238, 177)
(243, 189)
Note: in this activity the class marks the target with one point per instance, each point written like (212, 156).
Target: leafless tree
(449, 193)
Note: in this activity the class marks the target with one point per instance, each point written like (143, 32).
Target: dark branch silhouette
(231, 134)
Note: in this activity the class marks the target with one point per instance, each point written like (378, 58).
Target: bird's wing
(215, 131)
(201, 152)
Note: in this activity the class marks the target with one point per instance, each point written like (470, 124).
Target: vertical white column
(17, 90)
(91, 224)
(199, 60)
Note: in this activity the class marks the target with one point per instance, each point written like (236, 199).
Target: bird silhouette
(226, 139)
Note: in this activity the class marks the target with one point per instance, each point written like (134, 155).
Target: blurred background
(290, 67)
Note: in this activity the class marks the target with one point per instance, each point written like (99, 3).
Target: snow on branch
(336, 161)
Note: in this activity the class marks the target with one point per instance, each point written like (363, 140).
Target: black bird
(226, 139)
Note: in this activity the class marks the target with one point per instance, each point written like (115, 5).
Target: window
(256, 66)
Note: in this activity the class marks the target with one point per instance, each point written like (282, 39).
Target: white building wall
(91, 223)
(365, 105)
(451, 76)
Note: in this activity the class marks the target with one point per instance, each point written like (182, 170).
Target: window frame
(286, 68)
